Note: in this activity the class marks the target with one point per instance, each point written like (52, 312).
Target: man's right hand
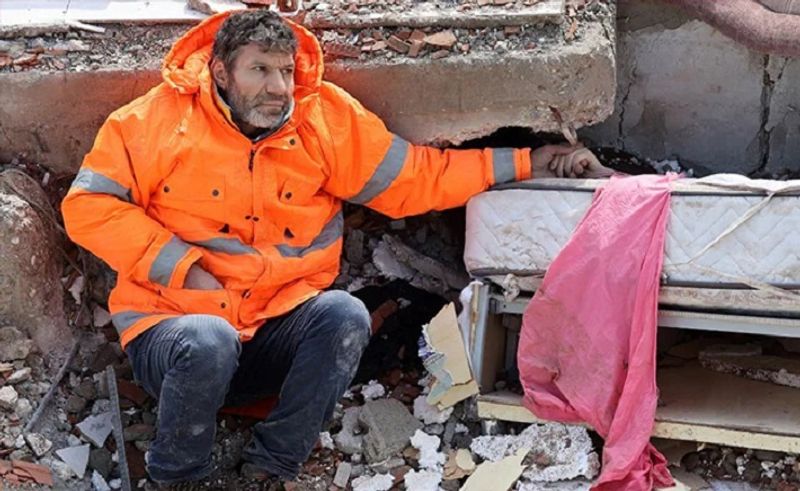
(198, 278)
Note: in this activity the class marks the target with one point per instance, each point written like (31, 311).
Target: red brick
(398, 44)
(443, 39)
(38, 473)
(414, 51)
(132, 392)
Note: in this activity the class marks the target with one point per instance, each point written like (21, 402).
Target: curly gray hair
(258, 26)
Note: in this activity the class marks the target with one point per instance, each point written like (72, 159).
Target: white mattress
(519, 228)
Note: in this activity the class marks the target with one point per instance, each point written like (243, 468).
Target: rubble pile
(127, 47)
(58, 48)
(333, 7)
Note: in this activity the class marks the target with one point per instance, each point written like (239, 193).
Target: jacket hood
(190, 55)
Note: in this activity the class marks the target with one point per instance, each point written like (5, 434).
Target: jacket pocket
(188, 301)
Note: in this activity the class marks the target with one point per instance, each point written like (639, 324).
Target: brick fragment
(397, 44)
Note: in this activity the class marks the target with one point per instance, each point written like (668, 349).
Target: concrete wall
(687, 92)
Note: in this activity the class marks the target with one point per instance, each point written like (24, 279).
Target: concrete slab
(421, 14)
(783, 125)
(688, 92)
(50, 111)
(77, 458)
(96, 428)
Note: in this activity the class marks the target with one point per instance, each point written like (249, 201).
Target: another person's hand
(199, 279)
(567, 161)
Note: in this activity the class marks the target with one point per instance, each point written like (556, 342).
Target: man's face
(259, 86)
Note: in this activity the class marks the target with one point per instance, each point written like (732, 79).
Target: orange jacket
(170, 182)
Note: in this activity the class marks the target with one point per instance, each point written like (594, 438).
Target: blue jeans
(195, 363)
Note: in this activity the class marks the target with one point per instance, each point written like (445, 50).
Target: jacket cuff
(524, 164)
(172, 262)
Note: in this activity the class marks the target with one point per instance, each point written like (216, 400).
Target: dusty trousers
(195, 364)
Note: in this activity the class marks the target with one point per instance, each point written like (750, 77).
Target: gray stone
(8, 398)
(86, 389)
(148, 418)
(348, 440)
(389, 427)
(434, 429)
(101, 385)
(14, 345)
(24, 408)
(75, 404)
(343, 472)
(76, 458)
(19, 376)
(139, 432)
(38, 443)
(101, 461)
(60, 469)
(96, 428)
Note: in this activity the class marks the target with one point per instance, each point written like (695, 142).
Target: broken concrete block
(8, 398)
(96, 428)
(342, 476)
(428, 446)
(397, 260)
(562, 451)
(349, 440)
(38, 443)
(19, 376)
(139, 432)
(77, 458)
(24, 408)
(14, 345)
(98, 483)
(719, 350)
(101, 317)
(774, 369)
(389, 426)
(423, 480)
(31, 294)
(380, 482)
(576, 485)
(428, 414)
(325, 440)
(373, 390)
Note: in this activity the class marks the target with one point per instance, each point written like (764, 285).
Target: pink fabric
(587, 347)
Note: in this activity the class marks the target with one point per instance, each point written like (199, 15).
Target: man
(217, 199)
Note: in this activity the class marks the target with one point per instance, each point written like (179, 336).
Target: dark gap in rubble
(519, 137)
(394, 345)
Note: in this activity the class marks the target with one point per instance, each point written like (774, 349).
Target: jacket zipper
(250, 163)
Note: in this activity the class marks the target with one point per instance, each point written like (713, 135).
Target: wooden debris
(498, 476)
(447, 362)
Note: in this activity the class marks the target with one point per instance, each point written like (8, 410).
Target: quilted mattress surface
(723, 230)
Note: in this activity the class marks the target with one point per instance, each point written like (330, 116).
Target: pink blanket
(587, 347)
